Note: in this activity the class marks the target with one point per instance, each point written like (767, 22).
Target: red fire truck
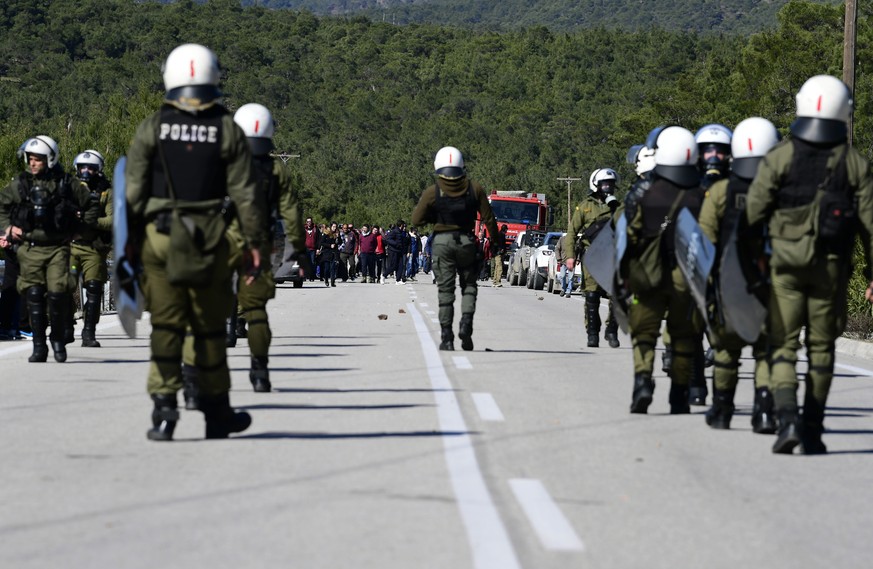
(519, 211)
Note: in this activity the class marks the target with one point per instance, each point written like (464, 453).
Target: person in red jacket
(368, 243)
(311, 231)
(380, 254)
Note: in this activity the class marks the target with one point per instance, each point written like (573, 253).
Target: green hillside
(723, 16)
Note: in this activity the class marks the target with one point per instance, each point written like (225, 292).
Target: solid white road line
(487, 407)
(858, 370)
(553, 529)
(489, 541)
(461, 362)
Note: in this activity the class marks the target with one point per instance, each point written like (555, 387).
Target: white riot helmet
(642, 158)
(449, 163)
(257, 123)
(603, 181)
(823, 108)
(676, 156)
(43, 146)
(191, 76)
(753, 138)
(90, 158)
(714, 137)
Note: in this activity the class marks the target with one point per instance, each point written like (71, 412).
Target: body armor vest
(46, 204)
(191, 146)
(808, 170)
(460, 210)
(657, 203)
(267, 195)
(735, 206)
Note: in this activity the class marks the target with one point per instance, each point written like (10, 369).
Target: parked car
(293, 276)
(519, 262)
(553, 283)
(538, 270)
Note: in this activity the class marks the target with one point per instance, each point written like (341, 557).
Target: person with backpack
(814, 191)
(588, 219)
(451, 205)
(648, 268)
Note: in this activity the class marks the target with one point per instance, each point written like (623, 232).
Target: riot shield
(599, 259)
(744, 312)
(695, 255)
(619, 298)
(129, 300)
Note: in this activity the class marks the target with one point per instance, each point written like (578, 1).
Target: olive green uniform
(44, 253)
(587, 216)
(808, 283)
(653, 219)
(253, 297)
(173, 307)
(91, 247)
(454, 247)
(728, 345)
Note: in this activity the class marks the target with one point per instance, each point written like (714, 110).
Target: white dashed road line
(461, 362)
(550, 525)
(489, 541)
(435, 320)
(487, 407)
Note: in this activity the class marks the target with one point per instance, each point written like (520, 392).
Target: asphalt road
(375, 450)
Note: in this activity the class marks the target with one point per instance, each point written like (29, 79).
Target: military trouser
(175, 308)
(497, 268)
(814, 297)
(44, 265)
(90, 263)
(728, 349)
(683, 322)
(253, 307)
(454, 253)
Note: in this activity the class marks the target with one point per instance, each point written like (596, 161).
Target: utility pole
(569, 182)
(849, 35)
(285, 157)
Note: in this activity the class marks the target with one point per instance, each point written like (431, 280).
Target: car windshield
(515, 212)
(535, 239)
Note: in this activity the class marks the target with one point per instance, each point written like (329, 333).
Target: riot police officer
(721, 216)
(649, 269)
(451, 204)
(184, 162)
(91, 247)
(588, 219)
(42, 208)
(277, 197)
(813, 191)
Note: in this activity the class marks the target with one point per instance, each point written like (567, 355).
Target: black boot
(259, 375)
(230, 329)
(164, 417)
(610, 334)
(70, 320)
(709, 357)
(763, 418)
(36, 310)
(679, 400)
(241, 331)
(592, 318)
(722, 410)
(447, 340)
(191, 387)
(57, 307)
(465, 332)
(697, 390)
(221, 419)
(788, 436)
(644, 390)
(812, 426)
(667, 359)
(91, 310)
